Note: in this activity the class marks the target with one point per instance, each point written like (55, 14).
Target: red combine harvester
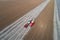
(32, 23)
